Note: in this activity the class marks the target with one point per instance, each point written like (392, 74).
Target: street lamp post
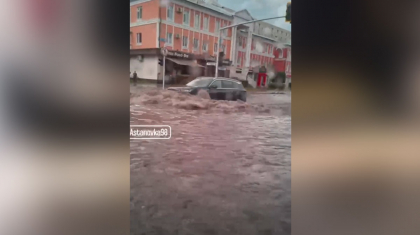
(217, 54)
(231, 26)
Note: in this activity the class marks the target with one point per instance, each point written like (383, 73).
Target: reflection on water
(226, 169)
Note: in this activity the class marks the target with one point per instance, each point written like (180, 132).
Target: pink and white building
(191, 27)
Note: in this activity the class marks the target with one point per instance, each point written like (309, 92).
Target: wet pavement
(226, 169)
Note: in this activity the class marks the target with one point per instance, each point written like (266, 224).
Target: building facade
(283, 62)
(254, 45)
(191, 27)
(182, 26)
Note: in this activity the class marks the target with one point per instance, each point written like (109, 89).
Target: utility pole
(164, 53)
(231, 26)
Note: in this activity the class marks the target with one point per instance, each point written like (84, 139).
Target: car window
(238, 85)
(217, 83)
(227, 84)
(200, 82)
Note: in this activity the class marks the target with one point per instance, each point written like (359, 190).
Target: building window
(186, 19)
(185, 42)
(206, 23)
(223, 47)
(138, 38)
(197, 21)
(240, 41)
(225, 31)
(239, 60)
(215, 48)
(196, 44)
(280, 51)
(169, 37)
(205, 45)
(170, 12)
(217, 26)
(139, 13)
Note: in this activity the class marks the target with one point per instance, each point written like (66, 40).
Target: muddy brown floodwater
(226, 169)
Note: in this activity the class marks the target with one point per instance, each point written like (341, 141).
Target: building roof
(263, 37)
(212, 5)
(275, 26)
(228, 9)
(244, 11)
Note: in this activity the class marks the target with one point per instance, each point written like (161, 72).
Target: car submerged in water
(218, 88)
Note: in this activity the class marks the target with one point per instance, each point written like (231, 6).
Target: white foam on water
(191, 102)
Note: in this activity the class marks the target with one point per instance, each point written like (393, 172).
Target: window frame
(197, 22)
(198, 44)
(167, 37)
(185, 37)
(217, 26)
(215, 46)
(206, 46)
(225, 31)
(139, 12)
(137, 38)
(167, 12)
(184, 12)
(206, 25)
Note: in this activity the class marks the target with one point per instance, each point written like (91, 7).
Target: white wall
(147, 69)
(268, 30)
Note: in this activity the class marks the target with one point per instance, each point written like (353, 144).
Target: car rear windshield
(230, 84)
(239, 86)
(200, 82)
(227, 84)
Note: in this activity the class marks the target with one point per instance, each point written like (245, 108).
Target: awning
(185, 62)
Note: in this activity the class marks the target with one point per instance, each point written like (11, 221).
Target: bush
(245, 83)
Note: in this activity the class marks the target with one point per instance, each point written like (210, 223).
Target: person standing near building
(135, 78)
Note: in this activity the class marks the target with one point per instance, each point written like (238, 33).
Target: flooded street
(225, 170)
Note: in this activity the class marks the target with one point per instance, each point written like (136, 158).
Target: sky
(260, 9)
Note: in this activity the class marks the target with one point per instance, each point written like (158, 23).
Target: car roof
(229, 79)
(220, 78)
(204, 78)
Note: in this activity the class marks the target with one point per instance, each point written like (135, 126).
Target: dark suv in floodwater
(218, 88)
